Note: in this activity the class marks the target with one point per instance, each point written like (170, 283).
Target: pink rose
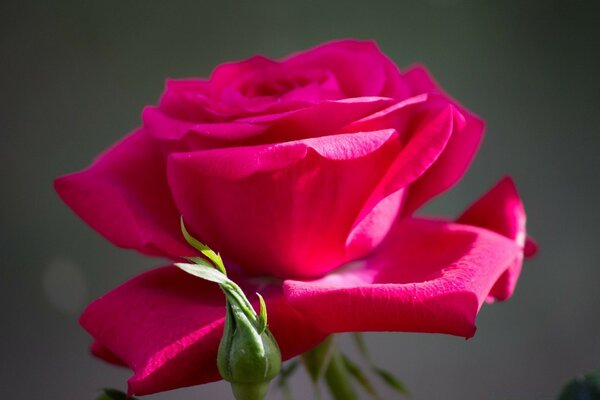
(306, 171)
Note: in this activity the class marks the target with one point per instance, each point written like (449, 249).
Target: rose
(306, 170)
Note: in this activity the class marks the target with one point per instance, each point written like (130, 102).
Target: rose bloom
(305, 174)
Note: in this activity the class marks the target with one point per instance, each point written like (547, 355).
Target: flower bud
(249, 357)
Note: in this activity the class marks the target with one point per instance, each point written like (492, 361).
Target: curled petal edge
(427, 276)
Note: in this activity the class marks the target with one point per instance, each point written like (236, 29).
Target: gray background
(74, 76)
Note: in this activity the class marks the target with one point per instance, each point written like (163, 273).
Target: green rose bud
(248, 358)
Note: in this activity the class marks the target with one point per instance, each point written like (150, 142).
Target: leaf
(391, 381)
(317, 360)
(360, 377)
(201, 271)
(262, 316)
(114, 394)
(586, 387)
(202, 248)
(359, 340)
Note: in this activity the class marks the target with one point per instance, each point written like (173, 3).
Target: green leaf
(360, 377)
(338, 377)
(202, 248)
(586, 387)
(359, 341)
(391, 381)
(204, 272)
(262, 316)
(114, 394)
(317, 360)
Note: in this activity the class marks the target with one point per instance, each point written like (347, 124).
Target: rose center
(279, 83)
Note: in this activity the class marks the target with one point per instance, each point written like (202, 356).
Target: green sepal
(262, 316)
(200, 261)
(232, 291)
(204, 272)
(236, 295)
(202, 248)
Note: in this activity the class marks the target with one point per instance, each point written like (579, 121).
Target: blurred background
(75, 75)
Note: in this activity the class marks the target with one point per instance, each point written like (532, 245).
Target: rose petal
(178, 135)
(360, 67)
(124, 196)
(501, 210)
(166, 326)
(420, 81)
(427, 276)
(322, 119)
(283, 209)
(423, 142)
(318, 120)
(189, 100)
(424, 145)
(531, 247)
(280, 87)
(458, 154)
(230, 75)
(103, 353)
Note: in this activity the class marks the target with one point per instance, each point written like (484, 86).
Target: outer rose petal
(427, 276)
(166, 326)
(285, 209)
(425, 126)
(125, 197)
(501, 210)
(102, 352)
(457, 156)
(423, 145)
